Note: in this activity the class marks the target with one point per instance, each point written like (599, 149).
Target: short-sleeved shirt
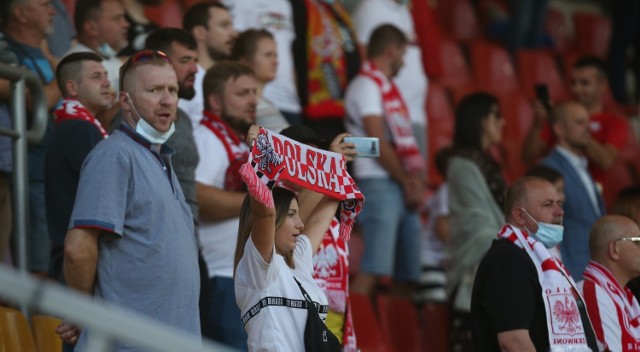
(72, 140)
(148, 261)
(276, 328)
(507, 296)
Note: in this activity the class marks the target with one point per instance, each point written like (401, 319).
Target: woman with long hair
(476, 199)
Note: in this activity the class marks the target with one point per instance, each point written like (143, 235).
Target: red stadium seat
(539, 67)
(435, 330)
(356, 247)
(518, 115)
(429, 33)
(440, 127)
(455, 70)
(169, 14)
(366, 326)
(399, 320)
(459, 18)
(492, 68)
(557, 26)
(593, 32)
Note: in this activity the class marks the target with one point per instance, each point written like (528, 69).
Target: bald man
(615, 259)
(583, 204)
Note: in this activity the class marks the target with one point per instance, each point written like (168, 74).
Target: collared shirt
(580, 165)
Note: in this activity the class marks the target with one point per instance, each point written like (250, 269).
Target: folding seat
(492, 68)
(557, 26)
(440, 127)
(399, 320)
(593, 32)
(366, 325)
(429, 33)
(459, 18)
(518, 114)
(435, 327)
(44, 327)
(455, 70)
(15, 333)
(168, 14)
(539, 67)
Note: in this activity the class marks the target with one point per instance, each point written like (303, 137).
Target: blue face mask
(147, 131)
(548, 234)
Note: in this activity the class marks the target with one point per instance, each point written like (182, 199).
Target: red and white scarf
(559, 293)
(274, 156)
(331, 272)
(626, 336)
(237, 150)
(72, 109)
(398, 120)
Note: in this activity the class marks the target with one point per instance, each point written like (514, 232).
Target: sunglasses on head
(140, 57)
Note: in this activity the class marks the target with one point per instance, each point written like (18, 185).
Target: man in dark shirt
(84, 84)
(523, 299)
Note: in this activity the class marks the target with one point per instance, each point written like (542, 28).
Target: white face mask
(549, 235)
(147, 131)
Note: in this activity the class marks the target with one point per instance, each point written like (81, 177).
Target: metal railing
(107, 323)
(20, 79)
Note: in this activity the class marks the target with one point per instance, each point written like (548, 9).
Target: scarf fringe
(345, 230)
(258, 190)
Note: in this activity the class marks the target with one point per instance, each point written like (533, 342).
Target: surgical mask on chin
(147, 131)
(550, 235)
(106, 51)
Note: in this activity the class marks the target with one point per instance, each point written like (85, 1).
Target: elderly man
(523, 299)
(84, 84)
(615, 259)
(131, 240)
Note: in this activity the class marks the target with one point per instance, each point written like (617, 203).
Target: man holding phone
(392, 183)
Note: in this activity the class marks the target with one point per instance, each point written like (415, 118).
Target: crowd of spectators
(136, 196)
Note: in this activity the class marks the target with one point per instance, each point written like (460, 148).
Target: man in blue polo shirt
(131, 239)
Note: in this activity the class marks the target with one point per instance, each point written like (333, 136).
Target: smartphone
(542, 93)
(367, 147)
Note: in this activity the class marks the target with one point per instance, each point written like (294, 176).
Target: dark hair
(198, 15)
(246, 43)
(470, 113)
(545, 172)
(220, 73)
(282, 200)
(86, 10)
(70, 68)
(442, 160)
(627, 202)
(383, 37)
(161, 40)
(589, 61)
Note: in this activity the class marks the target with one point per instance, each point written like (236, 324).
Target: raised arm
(263, 230)
(319, 220)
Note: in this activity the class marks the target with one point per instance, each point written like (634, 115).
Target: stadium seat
(435, 330)
(455, 70)
(593, 32)
(168, 14)
(557, 26)
(428, 32)
(399, 320)
(492, 68)
(356, 247)
(459, 18)
(366, 326)
(15, 334)
(44, 327)
(539, 67)
(440, 127)
(518, 114)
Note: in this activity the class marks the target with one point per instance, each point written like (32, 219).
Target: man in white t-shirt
(230, 92)
(214, 35)
(392, 183)
(276, 16)
(411, 80)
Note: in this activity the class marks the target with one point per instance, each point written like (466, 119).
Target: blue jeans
(224, 315)
(390, 230)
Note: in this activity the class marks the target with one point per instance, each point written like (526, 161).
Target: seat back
(593, 32)
(366, 325)
(399, 319)
(44, 327)
(440, 127)
(15, 332)
(492, 68)
(455, 70)
(539, 67)
(436, 327)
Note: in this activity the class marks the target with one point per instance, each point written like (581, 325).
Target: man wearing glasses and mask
(615, 259)
(523, 298)
(131, 240)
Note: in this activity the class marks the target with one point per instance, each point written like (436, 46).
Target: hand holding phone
(367, 147)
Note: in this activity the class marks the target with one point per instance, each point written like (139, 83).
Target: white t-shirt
(195, 106)
(217, 239)
(276, 16)
(363, 98)
(276, 328)
(411, 80)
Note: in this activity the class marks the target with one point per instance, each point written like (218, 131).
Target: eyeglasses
(635, 240)
(140, 57)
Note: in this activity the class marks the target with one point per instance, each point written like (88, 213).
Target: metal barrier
(21, 78)
(107, 323)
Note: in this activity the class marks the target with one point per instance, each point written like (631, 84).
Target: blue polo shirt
(147, 255)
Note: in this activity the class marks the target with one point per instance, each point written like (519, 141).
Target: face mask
(147, 131)
(106, 51)
(548, 234)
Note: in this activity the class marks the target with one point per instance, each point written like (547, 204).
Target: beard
(186, 93)
(237, 124)
(217, 55)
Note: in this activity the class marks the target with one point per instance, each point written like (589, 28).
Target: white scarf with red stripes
(626, 335)
(559, 293)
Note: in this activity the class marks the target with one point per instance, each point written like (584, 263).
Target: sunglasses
(635, 240)
(140, 57)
